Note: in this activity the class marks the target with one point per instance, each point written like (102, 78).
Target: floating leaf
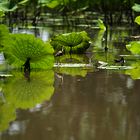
(137, 20)
(23, 46)
(7, 6)
(76, 42)
(4, 35)
(49, 3)
(136, 7)
(1, 13)
(135, 71)
(23, 2)
(24, 93)
(134, 47)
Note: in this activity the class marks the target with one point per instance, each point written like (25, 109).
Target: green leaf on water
(137, 20)
(136, 7)
(6, 6)
(76, 42)
(23, 46)
(134, 47)
(1, 13)
(4, 36)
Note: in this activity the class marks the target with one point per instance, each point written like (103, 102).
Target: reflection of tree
(21, 93)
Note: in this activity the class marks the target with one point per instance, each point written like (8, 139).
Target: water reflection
(86, 105)
(18, 92)
(99, 106)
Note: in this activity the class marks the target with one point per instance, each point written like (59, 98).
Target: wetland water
(76, 103)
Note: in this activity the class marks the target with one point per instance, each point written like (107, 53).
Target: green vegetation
(113, 10)
(135, 71)
(25, 90)
(75, 42)
(23, 46)
(4, 36)
(134, 47)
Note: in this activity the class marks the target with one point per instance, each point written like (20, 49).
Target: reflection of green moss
(26, 94)
(135, 72)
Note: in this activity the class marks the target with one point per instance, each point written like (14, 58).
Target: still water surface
(96, 104)
(102, 105)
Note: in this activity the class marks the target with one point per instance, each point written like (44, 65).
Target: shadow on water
(74, 103)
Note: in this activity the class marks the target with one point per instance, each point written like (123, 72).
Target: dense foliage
(25, 8)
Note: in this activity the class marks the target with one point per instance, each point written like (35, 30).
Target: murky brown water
(99, 104)
(102, 105)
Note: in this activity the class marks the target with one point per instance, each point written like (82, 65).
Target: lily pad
(4, 36)
(24, 46)
(134, 47)
(137, 20)
(7, 6)
(75, 42)
(136, 7)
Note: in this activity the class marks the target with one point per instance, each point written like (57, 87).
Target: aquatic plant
(22, 47)
(1, 13)
(134, 47)
(137, 20)
(135, 71)
(4, 35)
(136, 7)
(75, 42)
(11, 5)
(101, 24)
